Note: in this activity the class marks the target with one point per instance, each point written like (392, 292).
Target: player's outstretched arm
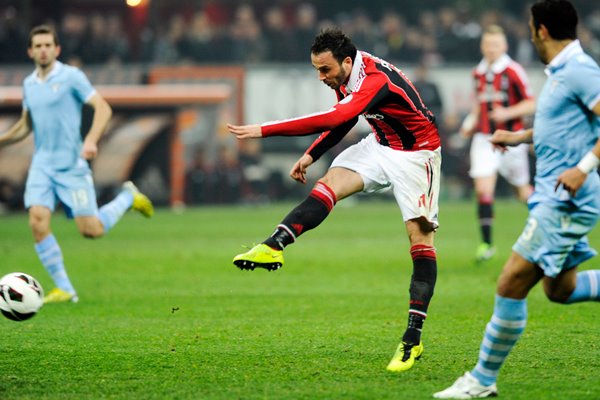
(18, 131)
(523, 108)
(573, 178)
(245, 131)
(298, 171)
(469, 124)
(502, 139)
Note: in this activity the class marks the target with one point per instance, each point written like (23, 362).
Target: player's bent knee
(39, 222)
(90, 228)
(91, 233)
(558, 297)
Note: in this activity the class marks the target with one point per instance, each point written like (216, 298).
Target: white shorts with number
(414, 176)
(513, 164)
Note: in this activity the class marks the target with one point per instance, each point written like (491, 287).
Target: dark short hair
(558, 16)
(334, 40)
(43, 30)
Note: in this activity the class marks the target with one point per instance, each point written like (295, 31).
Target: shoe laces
(406, 350)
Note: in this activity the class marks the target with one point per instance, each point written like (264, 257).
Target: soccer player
(402, 152)
(503, 98)
(53, 96)
(565, 204)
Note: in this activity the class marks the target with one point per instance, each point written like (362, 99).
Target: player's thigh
(75, 189)
(560, 287)
(485, 185)
(39, 189)
(344, 182)
(518, 276)
(358, 163)
(485, 161)
(554, 237)
(514, 165)
(89, 226)
(415, 179)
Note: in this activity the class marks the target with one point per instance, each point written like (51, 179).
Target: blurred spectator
(248, 43)
(71, 33)
(392, 36)
(306, 29)
(523, 52)
(449, 42)
(280, 39)
(233, 33)
(256, 174)
(116, 40)
(169, 47)
(362, 30)
(589, 42)
(227, 178)
(428, 90)
(199, 43)
(97, 49)
(13, 37)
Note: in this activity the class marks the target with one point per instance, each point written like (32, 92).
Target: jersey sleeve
(24, 101)
(82, 88)
(585, 81)
(347, 109)
(520, 82)
(328, 139)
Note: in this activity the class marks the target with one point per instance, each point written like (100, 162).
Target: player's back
(398, 117)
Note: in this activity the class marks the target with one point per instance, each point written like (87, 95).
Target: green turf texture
(165, 315)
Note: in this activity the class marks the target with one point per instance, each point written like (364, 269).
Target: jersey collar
(55, 70)
(497, 66)
(571, 50)
(357, 74)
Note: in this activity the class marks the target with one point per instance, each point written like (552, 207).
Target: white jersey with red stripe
(384, 96)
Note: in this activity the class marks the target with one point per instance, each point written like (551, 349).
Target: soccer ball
(21, 296)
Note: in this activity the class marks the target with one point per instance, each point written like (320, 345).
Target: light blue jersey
(565, 128)
(57, 169)
(55, 107)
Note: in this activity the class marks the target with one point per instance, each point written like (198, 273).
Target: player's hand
(298, 171)
(571, 180)
(499, 114)
(89, 150)
(468, 127)
(502, 139)
(245, 131)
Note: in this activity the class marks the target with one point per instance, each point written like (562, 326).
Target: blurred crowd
(282, 31)
(279, 31)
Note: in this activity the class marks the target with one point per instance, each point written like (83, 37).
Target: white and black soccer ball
(21, 296)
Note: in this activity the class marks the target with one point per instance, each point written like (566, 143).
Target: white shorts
(414, 176)
(513, 164)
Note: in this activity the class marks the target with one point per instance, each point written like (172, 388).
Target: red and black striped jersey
(503, 83)
(384, 96)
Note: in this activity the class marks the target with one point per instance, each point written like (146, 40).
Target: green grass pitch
(165, 315)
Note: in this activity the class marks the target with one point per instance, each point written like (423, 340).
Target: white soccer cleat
(467, 387)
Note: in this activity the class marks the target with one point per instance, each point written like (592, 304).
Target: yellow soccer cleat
(260, 256)
(141, 202)
(485, 252)
(57, 295)
(405, 357)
